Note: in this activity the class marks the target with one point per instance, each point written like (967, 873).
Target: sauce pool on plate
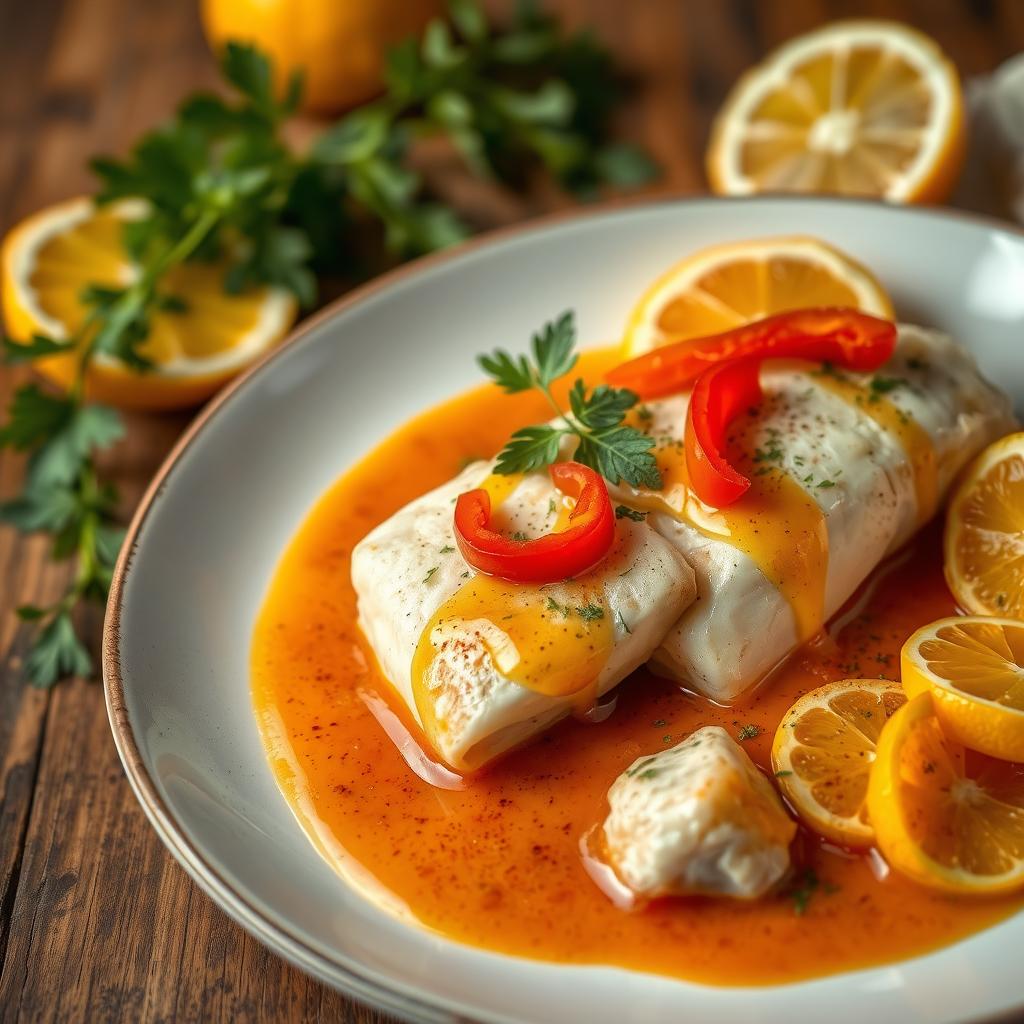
(498, 860)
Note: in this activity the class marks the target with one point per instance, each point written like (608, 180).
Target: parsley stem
(140, 293)
(546, 392)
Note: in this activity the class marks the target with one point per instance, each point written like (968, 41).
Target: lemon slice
(943, 818)
(973, 666)
(985, 532)
(823, 752)
(725, 286)
(49, 258)
(868, 108)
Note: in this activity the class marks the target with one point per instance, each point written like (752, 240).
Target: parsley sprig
(220, 182)
(595, 420)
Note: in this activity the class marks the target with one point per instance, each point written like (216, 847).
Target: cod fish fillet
(844, 469)
(697, 818)
(484, 665)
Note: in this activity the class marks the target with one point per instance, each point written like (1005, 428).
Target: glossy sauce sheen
(497, 863)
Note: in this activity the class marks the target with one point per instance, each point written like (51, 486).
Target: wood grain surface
(97, 922)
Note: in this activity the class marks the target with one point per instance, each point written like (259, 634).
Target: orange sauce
(495, 861)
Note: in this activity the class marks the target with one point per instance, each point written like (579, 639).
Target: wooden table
(97, 922)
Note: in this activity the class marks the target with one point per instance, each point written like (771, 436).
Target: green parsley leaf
(748, 732)
(624, 512)
(621, 453)
(38, 348)
(553, 349)
(34, 416)
(87, 428)
(57, 652)
(510, 374)
(605, 407)
(590, 612)
(530, 448)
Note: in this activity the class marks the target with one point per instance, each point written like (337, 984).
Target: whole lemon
(339, 44)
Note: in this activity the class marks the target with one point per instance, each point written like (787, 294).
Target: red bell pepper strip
(547, 559)
(845, 337)
(719, 396)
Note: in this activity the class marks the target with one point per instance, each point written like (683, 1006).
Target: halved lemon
(944, 817)
(725, 286)
(823, 751)
(49, 258)
(984, 543)
(973, 666)
(867, 108)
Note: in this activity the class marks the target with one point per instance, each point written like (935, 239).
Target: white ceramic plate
(207, 538)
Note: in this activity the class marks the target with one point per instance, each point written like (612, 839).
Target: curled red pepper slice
(547, 559)
(719, 395)
(845, 337)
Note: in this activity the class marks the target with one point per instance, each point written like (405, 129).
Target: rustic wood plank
(97, 922)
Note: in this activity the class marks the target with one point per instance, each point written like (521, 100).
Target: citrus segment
(943, 817)
(823, 751)
(50, 258)
(725, 286)
(871, 108)
(984, 544)
(973, 666)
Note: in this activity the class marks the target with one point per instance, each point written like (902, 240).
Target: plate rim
(405, 1002)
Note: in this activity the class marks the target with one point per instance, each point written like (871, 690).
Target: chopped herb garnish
(552, 507)
(666, 739)
(805, 887)
(630, 772)
(430, 574)
(554, 606)
(590, 612)
(622, 623)
(772, 453)
(803, 890)
(446, 550)
(624, 512)
(826, 483)
(649, 774)
(604, 444)
(465, 575)
(783, 773)
(659, 723)
(748, 732)
(519, 537)
(883, 385)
